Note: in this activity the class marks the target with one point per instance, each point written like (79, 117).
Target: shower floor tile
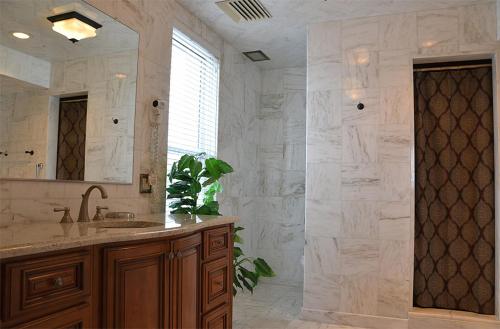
(273, 307)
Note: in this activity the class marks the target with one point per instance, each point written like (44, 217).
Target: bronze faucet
(84, 208)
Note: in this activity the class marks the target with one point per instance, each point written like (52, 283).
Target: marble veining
(28, 238)
(359, 173)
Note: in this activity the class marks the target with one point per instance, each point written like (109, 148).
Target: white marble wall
(278, 232)
(24, 67)
(153, 20)
(359, 188)
(110, 83)
(24, 116)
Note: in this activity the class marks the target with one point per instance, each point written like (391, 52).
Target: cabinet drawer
(46, 284)
(218, 319)
(216, 243)
(76, 318)
(216, 284)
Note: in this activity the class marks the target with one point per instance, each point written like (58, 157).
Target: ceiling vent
(246, 10)
(256, 56)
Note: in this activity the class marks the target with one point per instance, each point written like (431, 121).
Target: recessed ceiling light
(74, 26)
(21, 35)
(256, 55)
(120, 75)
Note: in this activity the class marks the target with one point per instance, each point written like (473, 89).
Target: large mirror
(67, 92)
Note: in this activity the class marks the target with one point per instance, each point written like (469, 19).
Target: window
(194, 90)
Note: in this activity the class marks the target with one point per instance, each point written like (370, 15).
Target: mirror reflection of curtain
(71, 139)
(454, 192)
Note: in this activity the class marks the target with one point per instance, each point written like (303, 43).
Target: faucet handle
(98, 215)
(67, 216)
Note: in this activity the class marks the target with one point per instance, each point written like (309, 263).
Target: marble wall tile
(395, 105)
(359, 143)
(350, 113)
(477, 26)
(324, 218)
(273, 82)
(398, 32)
(323, 181)
(358, 294)
(360, 69)
(361, 182)
(324, 109)
(395, 69)
(322, 255)
(437, 31)
(286, 263)
(359, 219)
(393, 174)
(358, 256)
(294, 79)
(375, 234)
(360, 33)
(324, 145)
(281, 162)
(394, 221)
(270, 234)
(324, 43)
(293, 183)
(322, 291)
(295, 156)
(394, 143)
(394, 260)
(392, 298)
(324, 76)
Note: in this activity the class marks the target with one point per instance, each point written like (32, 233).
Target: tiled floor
(273, 307)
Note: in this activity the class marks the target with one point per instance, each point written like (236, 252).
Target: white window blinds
(193, 104)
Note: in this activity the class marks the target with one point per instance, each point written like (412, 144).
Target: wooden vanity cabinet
(175, 282)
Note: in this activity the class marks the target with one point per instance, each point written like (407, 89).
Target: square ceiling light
(256, 55)
(74, 26)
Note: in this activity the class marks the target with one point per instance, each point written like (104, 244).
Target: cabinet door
(218, 319)
(136, 286)
(76, 318)
(185, 282)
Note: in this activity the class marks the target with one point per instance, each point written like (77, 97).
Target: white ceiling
(283, 37)
(30, 16)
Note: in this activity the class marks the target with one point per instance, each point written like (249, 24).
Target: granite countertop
(26, 238)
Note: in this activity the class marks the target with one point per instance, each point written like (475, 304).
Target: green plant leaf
(224, 167)
(211, 208)
(184, 162)
(252, 276)
(180, 211)
(212, 168)
(237, 239)
(212, 190)
(237, 252)
(263, 269)
(195, 167)
(245, 283)
(238, 228)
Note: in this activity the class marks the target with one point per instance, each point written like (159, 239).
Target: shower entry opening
(454, 259)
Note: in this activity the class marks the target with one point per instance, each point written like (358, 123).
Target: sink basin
(127, 224)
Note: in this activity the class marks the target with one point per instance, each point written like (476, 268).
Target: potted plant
(193, 174)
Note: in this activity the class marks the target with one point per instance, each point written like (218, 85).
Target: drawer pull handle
(179, 254)
(58, 282)
(171, 255)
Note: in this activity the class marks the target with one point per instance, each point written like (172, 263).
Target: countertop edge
(85, 241)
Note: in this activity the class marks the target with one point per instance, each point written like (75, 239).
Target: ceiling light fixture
(21, 35)
(256, 56)
(74, 26)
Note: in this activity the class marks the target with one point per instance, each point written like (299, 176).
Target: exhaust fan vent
(256, 56)
(247, 10)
